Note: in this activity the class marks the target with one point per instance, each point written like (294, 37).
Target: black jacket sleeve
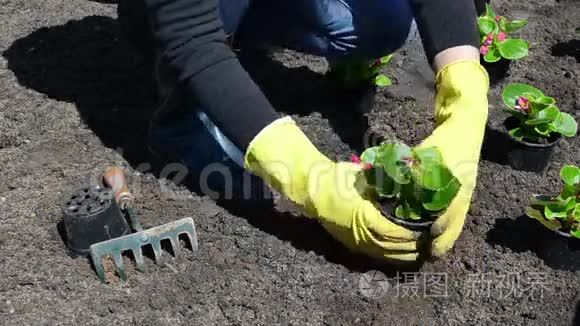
(445, 23)
(192, 41)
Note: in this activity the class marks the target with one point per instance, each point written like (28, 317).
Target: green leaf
(432, 175)
(382, 81)
(515, 25)
(565, 125)
(534, 122)
(575, 233)
(559, 210)
(493, 55)
(542, 102)
(541, 131)
(390, 157)
(551, 214)
(430, 154)
(568, 191)
(400, 212)
(544, 201)
(570, 175)
(513, 49)
(486, 25)
(405, 212)
(537, 215)
(489, 11)
(501, 24)
(370, 155)
(576, 213)
(513, 91)
(517, 133)
(545, 100)
(547, 115)
(385, 185)
(531, 96)
(386, 59)
(442, 198)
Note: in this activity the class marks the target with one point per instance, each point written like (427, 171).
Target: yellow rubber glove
(284, 157)
(461, 114)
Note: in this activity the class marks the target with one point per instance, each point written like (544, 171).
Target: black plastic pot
(92, 215)
(387, 207)
(560, 250)
(497, 71)
(501, 147)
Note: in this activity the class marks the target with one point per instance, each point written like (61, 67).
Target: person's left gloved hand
(461, 112)
(331, 192)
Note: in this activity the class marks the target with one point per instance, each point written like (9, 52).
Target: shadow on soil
(525, 234)
(577, 316)
(84, 62)
(569, 48)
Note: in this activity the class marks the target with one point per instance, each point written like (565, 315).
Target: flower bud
(501, 36)
(355, 159)
(484, 49)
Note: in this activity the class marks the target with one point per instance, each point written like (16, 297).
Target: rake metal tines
(135, 241)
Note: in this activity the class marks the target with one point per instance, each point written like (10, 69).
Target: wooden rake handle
(114, 177)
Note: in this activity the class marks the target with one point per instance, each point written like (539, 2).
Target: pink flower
(501, 36)
(484, 49)
(488, 39)
(498, 17)
(356, 160)
(522, 104)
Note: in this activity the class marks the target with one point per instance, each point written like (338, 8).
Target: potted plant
(561, 215)
(496, 44)
(534, 127)
(412, 187)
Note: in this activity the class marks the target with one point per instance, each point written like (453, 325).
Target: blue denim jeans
(359, 29)
(366, 29)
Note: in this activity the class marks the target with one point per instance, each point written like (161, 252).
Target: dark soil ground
(74, 97)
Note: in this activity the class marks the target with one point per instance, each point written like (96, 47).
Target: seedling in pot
(416, 180)
(537, 114)
(560, 213)
(495, 41)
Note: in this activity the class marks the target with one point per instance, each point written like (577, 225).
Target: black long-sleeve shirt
(190, 36)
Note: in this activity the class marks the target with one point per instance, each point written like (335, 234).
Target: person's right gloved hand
(330, 192)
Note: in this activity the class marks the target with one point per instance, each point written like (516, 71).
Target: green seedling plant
(495, 41)
(416, 179)
(560, 213)
(379, 78)
(355, 73)
(538, 115)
